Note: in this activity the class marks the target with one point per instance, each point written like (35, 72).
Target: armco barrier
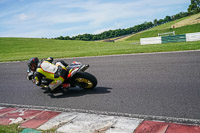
(193, 36)
(150, 40)
(170, 39)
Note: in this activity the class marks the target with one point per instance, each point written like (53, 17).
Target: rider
(46, 69)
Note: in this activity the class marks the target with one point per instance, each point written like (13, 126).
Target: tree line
(193, 8)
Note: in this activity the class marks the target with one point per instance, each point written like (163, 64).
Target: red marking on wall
(6, 110)
(151, 127)
(179, 128)
(162, 127)
(39, 120)
(23, 114)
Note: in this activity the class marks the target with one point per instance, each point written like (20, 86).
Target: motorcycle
(76, 77)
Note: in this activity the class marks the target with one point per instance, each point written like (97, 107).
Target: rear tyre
(85, 80)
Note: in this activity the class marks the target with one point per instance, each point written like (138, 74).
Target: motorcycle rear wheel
(85, 80)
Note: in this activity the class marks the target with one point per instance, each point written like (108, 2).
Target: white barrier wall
(193, 36)
(150, 40)
(166, 39)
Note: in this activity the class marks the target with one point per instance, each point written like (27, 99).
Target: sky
(54, 18)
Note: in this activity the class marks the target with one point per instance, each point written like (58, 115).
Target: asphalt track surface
(161, 84)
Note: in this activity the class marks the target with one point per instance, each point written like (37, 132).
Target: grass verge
(14, 128)
(18, 49)
(10, 128)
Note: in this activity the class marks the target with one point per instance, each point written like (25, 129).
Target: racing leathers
(56, 73)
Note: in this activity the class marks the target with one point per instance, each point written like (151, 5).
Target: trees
(194, 7)
(155, 22)
(168, 19)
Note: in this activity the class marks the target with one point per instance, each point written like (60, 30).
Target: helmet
(32, 63)
(50, 59)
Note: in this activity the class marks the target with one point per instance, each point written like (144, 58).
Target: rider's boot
(65, 86)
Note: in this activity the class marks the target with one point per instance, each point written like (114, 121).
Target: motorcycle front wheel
(84, 80)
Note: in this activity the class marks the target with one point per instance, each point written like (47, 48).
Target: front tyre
(85, 80)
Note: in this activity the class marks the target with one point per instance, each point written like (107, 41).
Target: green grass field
(20, 49)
